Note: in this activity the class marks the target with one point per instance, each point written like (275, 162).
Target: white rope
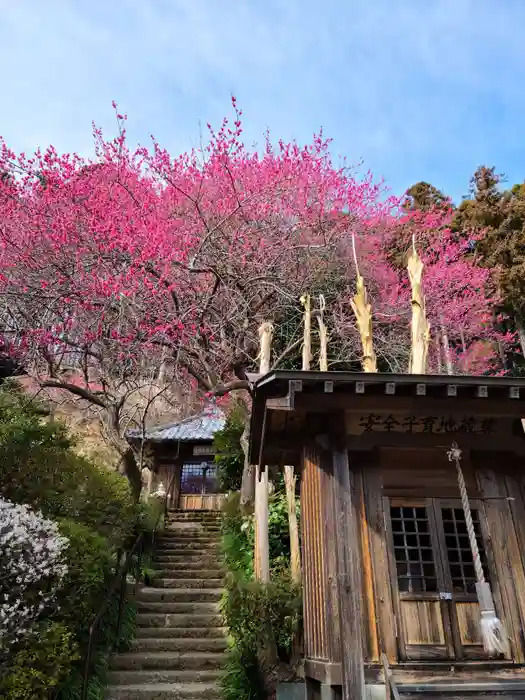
(454, 455)
(495, 639)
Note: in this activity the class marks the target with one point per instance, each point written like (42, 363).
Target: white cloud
(420, 90)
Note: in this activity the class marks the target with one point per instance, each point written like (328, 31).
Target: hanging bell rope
(495, 639)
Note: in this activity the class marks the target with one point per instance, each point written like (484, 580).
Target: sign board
(361, 424)
(203, 450)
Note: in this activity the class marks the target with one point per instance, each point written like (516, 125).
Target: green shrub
(149, 514)
(71, 688)
(91, 566)
(229, 456)
(242, 678)
(263, 620)
(95, 510)
(237, 537)
(260, 617)
(86, 586)
(104, 502)
(40, 664)
(39, 467)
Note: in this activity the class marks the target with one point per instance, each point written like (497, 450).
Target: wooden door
(424, 628)
(433, 578)
(459, 573)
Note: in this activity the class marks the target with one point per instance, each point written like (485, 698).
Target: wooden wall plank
(317, 602)
(404, 476)
(515, 484)
(349, 563)
(370, 640)
(423, 622)
(501, 551)
(379, 559)
(188, 501)
(330, 525)
(468, 623)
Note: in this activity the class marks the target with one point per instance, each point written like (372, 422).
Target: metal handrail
(120, 579)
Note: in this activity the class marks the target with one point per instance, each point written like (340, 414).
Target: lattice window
(459, 552)
(199, 477)
(416, 571)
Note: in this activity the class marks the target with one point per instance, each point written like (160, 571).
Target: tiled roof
(200, 427)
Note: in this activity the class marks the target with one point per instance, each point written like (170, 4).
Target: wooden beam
(349, 568)
(323, 671)
(287, 402)
(418, 405)
(293, 442)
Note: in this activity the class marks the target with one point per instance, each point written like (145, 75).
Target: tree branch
(76, 390)
(234, 385)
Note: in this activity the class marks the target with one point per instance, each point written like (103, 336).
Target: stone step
(174, 660)
(187, 533)
(176, 550)
(194, 523)
(187, 574)
(179, 513)
(201, 561)
(189, 537)
(185, 644)
(187, 528)
(165, 691)
(158, 675)
(169, 570)
(195, 633)
(202, 541)
(204, 533)
(179, 582)
(162, 620)
(196, 608)
(188, 548)
(179, 595)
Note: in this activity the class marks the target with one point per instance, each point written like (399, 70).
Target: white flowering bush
(32, 567)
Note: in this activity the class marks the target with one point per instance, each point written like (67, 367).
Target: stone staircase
(180, 642)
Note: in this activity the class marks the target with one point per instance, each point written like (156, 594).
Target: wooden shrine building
(181, 455)
(389, 580)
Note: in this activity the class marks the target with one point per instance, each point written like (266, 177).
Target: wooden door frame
(428, 504)
(434, 505)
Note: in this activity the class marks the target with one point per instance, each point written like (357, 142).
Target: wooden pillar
(349, 568)
(323, 336)
(419, 327)
(262, 545)
(175, 492)
(295, 557)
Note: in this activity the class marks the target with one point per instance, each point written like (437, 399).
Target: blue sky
(417, 89)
